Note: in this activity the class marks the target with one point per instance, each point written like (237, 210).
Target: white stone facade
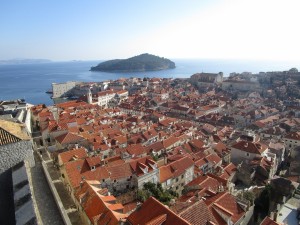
(60, 89)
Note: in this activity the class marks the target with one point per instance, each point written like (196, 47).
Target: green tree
(156, 190)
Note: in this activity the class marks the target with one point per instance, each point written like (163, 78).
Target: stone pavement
(64, 195)
(45, 203)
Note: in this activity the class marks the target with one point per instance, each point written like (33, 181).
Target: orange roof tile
(174, 169)
(79, 153)
(68, 138)
(248, 146)
(268, 221)
(153, 211)
(198, 214)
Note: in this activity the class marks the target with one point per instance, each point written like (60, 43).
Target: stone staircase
(297, 193)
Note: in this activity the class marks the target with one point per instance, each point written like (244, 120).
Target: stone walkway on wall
(45, 203)
(64, 196)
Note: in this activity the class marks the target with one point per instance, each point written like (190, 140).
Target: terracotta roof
(198, 214)
(220, 147)
(7, 138)
(79, 153)
(68, 138)
(248, 146)
(227, 203)
(97, 208)
(268, 221)
(228, 171)
(155, 147)
(153, 212)
(293, 135)
(104, 93)
(93, 161)
(136, 150)
(170, 141)
(205, 182)
(150, 134)
(213, 158)
(79, 170)
(142, 163)
(174, 169)
(196, 143)
(11, 131)
(119, 171)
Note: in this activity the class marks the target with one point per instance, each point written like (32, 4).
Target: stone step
(297, 196)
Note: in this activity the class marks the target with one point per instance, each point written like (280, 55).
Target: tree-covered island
(140, 63)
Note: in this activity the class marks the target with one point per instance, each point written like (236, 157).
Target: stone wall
(28, 121)
(12, 154)
(24, 209)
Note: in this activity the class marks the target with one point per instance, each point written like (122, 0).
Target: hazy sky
(105, 29)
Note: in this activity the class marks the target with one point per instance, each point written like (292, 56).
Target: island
(140, 63)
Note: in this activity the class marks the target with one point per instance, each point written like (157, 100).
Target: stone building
(15, 196)
(177, 174)
(15, 145)
(62, 89)
(204, 80)
(240, 85)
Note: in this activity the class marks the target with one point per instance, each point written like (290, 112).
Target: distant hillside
(140, 63)
(23, 61)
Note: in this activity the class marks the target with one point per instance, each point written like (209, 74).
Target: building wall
(103, 100)
(25, 212)
(177, 183)
(246, 218)
(152, 177)
(237, 155)
(290, 143)
(241, 86)
(59, 89)
(12, 154)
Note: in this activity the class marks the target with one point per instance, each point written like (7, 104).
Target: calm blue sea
(31, 81)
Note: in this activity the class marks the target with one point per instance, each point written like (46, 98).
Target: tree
(156, 190)
(248, 195)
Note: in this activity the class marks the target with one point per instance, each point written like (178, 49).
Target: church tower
(89, 96)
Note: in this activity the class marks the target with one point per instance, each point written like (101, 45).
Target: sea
(31, 81)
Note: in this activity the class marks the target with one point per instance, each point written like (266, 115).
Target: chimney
(272, 215)
(275, 216)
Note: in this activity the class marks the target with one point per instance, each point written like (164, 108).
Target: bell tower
(89, 96)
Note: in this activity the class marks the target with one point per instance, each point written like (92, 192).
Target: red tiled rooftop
(268, 221)
(79, 153)
(153, 211)
(250, 147)
(198, 214)
(68, 138)
(175, 168)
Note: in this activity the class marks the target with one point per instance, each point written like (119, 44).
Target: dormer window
(93, 168)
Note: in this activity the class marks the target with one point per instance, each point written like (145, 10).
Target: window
(182, 175)
(169, 182)
(177, 179)
(247, 154)
(115, 181)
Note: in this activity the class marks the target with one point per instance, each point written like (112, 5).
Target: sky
(109, 29)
